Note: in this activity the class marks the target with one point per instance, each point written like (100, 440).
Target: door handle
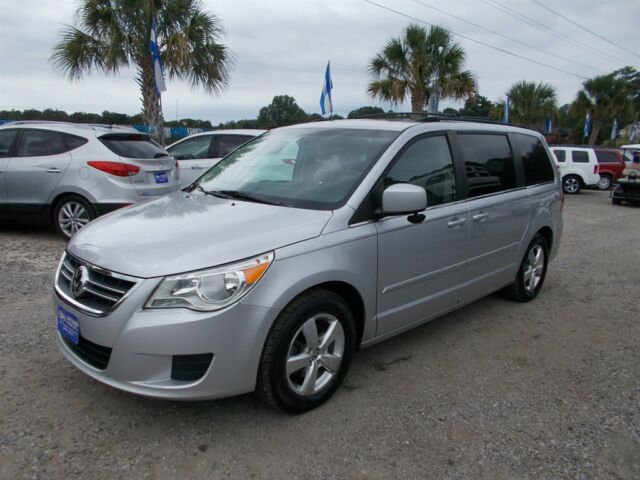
(456, 223)
(54, 170)
(480, 217)
(196, 167)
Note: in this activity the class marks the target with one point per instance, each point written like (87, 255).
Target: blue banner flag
(156, 61)
(548, 124)
(634, 133)
(326, 104)
(587, 125)
(614, 129)
(505, 111)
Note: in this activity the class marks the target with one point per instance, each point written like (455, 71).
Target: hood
(184, 231)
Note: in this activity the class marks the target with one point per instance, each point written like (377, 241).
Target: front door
(421, 266)
(192, 155)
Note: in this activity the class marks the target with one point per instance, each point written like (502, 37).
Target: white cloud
(282, 47)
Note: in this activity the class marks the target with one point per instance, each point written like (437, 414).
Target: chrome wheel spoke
(298, 362)
(310, 332)
(309, 384)
(330, 335)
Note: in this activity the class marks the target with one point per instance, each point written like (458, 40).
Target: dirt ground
(496, 390)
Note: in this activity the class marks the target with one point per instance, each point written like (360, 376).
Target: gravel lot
(497, 390)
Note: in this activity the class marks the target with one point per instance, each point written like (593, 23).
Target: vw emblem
(79, 281)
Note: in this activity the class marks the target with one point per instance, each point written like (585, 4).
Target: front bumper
(144, 343)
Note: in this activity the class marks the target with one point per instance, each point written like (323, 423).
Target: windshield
(314, 168)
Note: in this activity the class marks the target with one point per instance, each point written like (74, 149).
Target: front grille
(102, 290)
(95, 355)
(190, 367)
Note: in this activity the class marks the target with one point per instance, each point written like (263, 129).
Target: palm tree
(419, 65)
(530, 103)
(113, 34)
(605, 97)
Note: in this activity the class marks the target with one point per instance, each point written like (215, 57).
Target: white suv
(578, 167)
(68, 174)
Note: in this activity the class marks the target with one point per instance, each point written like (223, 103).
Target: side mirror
(403, 198)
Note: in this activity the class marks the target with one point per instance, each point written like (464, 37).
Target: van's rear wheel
(531, 273)
(70, 214)
(307, 353)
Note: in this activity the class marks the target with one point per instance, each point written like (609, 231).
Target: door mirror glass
(402, 198)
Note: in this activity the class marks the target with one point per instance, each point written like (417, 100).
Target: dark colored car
(610, 166)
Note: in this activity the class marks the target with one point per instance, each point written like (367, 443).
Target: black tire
(616, 201)
(273, 383)
(518, 290)
(89, 213)
(572, 184)
(605, 182)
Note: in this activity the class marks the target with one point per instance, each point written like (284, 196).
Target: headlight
(208, 290)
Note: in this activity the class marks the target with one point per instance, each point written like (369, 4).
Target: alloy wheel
(604, 183)
(72, 217)
(315, 354)
(571, 185)
(534, 268)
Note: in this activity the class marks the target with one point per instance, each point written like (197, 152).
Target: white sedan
(197, 153)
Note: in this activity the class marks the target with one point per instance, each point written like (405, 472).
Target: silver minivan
(301, 247)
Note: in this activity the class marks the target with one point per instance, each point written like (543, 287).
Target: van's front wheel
(307, 353)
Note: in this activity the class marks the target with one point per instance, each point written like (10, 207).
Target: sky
(282, 47)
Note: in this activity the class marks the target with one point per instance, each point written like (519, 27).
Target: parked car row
(582, 167)
(67, 174)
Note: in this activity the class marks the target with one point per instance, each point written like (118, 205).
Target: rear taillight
(596, 168)
(115, 168)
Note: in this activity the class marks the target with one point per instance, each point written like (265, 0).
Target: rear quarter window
(560, 155)
(537, 164)
(579, 157)
(607, 157)
(133, 146)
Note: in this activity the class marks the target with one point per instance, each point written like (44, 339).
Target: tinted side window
(428, 164)
(228, 143)
(192, 148)
(6, 139)
(579, 157)
(133, 146)
(536, 163)
(560, 155)
(488, 163)
(38, 143)
(74, 141)
(607, 157)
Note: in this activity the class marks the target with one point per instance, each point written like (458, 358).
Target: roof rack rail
(71, 124)
(432, 117)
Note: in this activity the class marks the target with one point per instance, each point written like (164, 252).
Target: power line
(505, 36)
(499, 49)
(541, 26)
(564, 17)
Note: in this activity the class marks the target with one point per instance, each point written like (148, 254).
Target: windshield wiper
(243, 196)
(213, 194)
(161, 155)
